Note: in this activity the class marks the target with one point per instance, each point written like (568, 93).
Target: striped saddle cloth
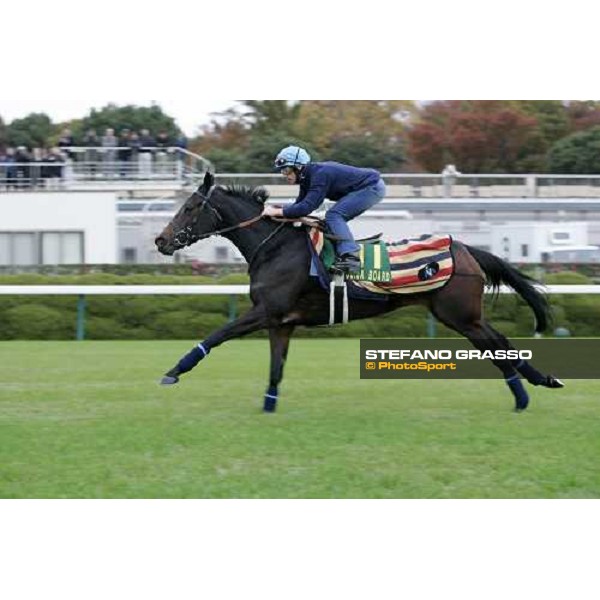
(409, 266)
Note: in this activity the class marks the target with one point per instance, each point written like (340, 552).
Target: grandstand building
(99, 214)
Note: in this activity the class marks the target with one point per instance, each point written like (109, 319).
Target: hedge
(193, 317)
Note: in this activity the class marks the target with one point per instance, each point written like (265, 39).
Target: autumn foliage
(477, 136)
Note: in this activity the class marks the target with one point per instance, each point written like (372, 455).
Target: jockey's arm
(272, 211)
(313, 199)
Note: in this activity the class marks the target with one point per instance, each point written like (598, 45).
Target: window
(524, 250)
(4, 249)
(560, 237)
(72, 248)
(23, 248)
(51, 248)
(130, 255)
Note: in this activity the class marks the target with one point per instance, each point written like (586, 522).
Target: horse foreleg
(253, 320)
(280, 341)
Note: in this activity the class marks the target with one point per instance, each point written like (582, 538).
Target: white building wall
(94, 213)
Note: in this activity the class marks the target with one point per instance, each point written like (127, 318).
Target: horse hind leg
(466, 319)
(483, 338)
(528, 371)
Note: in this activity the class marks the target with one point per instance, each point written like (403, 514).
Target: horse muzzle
(164, 247)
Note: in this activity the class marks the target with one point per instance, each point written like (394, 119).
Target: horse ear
(209, 181)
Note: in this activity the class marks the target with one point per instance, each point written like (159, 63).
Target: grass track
(88, 420)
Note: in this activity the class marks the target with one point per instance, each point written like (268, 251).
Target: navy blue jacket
(328, 180)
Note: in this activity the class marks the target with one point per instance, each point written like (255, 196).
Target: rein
(186, 236)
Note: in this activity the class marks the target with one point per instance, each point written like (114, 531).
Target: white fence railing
(75, 166)
(84, 165)
(478, 186)
(230, 290)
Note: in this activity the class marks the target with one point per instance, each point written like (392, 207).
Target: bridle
(186, 236)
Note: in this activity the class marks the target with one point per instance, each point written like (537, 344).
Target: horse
(284, 295)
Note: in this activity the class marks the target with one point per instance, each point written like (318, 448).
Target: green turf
(88, 420)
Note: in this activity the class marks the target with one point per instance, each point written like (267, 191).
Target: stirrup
(347, 264)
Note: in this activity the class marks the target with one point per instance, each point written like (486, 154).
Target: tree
(578, 153)
(553, 123)
(476, 136)
(34, 130)
(270, 115)
(247, 139)
(368, 151)
(130, 117)
(3, 134)
(583, 114)
(326, 122)
(552, 118)
(365, 133)
(264, 147)
(220, 134)
(226, 161)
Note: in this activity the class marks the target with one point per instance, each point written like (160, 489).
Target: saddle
(319, 224)
(409, 266)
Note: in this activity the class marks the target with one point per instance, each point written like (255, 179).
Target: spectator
(147, 145)
(449, 175)
(124, 152)
(66, 142)
(3, 166)
(181, 143)
(135, 144)
(10, 170)
(22, 170)
(91, 142)
(54, 171)
(109, 144)
(37, 159)
(163, 145)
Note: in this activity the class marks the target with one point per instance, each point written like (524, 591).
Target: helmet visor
(281, 162)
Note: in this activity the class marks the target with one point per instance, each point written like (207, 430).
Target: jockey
(354, 191)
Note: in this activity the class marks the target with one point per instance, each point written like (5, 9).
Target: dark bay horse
(284, 295)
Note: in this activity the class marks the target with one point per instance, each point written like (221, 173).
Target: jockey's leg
(347, 208)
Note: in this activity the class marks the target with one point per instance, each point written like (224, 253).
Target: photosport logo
(409, 358)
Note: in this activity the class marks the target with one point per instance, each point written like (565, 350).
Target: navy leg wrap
(532, 375)
(270, 403)
(192, 358)
(518, 390)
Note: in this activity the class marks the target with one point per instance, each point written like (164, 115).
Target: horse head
(216, 210)
(196, 219)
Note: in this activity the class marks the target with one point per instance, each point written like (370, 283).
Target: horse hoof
(553, 382)
(167, 380)
(269, 405)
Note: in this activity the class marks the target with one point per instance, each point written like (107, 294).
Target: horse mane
(256, 194)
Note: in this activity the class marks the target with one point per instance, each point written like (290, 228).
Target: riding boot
(348, 262)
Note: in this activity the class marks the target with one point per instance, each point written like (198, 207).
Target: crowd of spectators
(129, 154)
(22, 167)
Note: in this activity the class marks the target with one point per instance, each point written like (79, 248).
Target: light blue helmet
(292, 156)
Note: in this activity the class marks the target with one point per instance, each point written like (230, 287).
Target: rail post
(80, 317)
(232, 307)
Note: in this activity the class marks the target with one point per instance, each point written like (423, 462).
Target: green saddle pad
(374, 261)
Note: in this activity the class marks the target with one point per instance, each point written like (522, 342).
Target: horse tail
(498, 271)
